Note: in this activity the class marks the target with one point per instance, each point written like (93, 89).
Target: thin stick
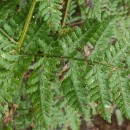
(9, 37)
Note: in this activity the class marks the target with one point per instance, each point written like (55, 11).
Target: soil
(99, 124)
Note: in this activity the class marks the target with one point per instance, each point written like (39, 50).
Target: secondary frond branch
(27, 22)
(76, 59)
(66, 13)
(9, 37)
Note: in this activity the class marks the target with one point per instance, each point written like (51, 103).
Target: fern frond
(39, 41)
(98, 90)
(72, 10)
(7, 8)
(100, 39)
(97, 34)
(98, 53)
(11, 75)
(118, 52)
(50, 10)
(63, 116)
(14, 25)
(71, 87)
(40, 92)
(118, 85)
(99, 9)
(109, 8)
(94, 9)
(23, 3)
(75, 38)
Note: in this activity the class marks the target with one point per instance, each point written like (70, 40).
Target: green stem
(10, 38)
(66, 13)
(27, 22)
(76, 59)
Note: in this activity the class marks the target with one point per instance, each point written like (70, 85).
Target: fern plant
(60, 60)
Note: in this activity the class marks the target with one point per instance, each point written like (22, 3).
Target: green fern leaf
(120, 92)
(50, 10)
(40, 96)
(7, 8)
(98, 90)
(71, 87)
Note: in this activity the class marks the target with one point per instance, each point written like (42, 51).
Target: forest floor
(99, 124)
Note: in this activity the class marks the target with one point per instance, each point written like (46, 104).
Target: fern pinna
(59, 58)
